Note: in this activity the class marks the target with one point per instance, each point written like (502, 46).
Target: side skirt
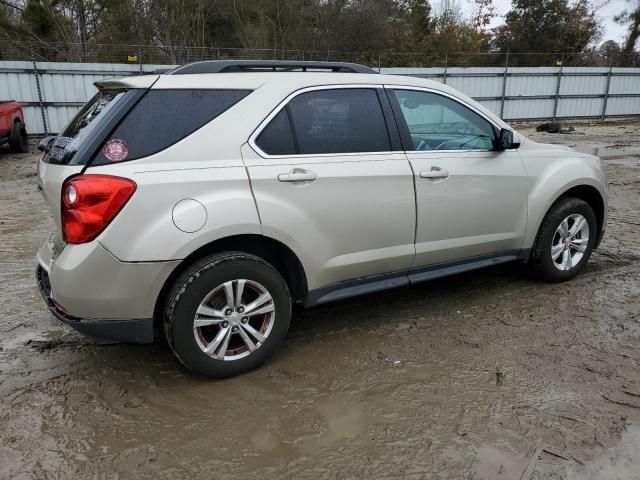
(376, 283)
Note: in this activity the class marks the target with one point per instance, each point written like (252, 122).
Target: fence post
(446, 64)
(556, 101)
(40, 99)
(140, 60)
(504, 85)
(606, 93)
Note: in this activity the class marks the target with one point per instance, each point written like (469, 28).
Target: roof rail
(224, 66)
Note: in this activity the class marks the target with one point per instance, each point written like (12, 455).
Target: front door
(471, 200)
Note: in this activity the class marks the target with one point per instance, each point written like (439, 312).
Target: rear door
(471, 200)
(330, 180)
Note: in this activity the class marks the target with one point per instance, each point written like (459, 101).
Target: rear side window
(277, 137)
(162, 118)
(348, 120)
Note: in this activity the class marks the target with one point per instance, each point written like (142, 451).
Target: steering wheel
(439, 147)
(474, 138)
(459, 146)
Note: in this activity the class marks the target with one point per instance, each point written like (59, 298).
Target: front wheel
(565, 240)
(227, 314)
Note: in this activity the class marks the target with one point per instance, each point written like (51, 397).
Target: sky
(611, 30)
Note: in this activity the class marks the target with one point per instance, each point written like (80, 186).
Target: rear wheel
(565, 240)
(19, 141)
(227, 314)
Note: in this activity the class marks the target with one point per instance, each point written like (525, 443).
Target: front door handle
(435, 173)
(298, 175)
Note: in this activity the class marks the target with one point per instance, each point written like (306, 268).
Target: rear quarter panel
(205, 166)
(145, 230)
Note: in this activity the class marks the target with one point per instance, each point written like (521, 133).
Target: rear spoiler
(144, 82)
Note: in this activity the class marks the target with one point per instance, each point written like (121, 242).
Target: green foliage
(609, 48)
(453, 34)
(548, 26)
(394, 32)
(39, 21)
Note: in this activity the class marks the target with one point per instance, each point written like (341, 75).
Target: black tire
(541, 261)
(18, 140)
(193, 286)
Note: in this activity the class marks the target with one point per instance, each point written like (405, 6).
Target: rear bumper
(98, 295)
(132, 331)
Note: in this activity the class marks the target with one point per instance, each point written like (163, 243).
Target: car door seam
(415, 212)
(253, 195)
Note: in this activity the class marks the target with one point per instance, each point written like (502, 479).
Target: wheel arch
(583, 191)
(17, 118)
(592, 196)
(281, 257)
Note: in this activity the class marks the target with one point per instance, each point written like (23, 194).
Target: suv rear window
(83, 124)
(162, 118)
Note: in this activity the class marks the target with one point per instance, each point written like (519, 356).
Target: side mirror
(505, 140)
(45, 144)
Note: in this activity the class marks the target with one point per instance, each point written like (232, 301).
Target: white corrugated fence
(51, 92)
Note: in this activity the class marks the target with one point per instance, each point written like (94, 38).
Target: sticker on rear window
(116, 150)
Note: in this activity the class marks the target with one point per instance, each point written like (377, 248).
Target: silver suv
(203, 202)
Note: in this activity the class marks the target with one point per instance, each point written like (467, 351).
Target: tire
(551, 235)
(19, 141)
(202, 288)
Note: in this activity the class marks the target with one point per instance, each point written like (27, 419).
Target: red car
(12, 128)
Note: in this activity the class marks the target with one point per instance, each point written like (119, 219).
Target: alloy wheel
(570, 242)
(234, 319)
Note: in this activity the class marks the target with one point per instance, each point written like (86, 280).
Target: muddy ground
(486, 375)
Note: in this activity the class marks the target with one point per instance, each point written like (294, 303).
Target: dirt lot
(487, 375)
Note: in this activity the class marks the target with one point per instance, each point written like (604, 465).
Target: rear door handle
(298, 176)
(435, 173)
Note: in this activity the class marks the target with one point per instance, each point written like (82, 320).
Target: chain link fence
(172, 55)
(52, 81)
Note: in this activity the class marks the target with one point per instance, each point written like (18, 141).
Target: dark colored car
(12, 127)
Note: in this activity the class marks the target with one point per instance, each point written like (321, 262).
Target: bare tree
(632, 19)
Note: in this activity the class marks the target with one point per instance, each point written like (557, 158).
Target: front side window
(437, 122)
(348, 120)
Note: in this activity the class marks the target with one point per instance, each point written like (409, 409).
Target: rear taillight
(90, 202)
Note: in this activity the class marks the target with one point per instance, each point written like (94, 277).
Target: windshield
(85, 121)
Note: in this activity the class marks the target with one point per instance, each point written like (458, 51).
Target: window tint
(163, 117)
(339, 121)
(277, 138)
(86, 120)
(437, 122)
(94, 109)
